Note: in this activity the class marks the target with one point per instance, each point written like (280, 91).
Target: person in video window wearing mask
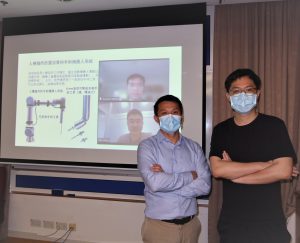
(251, 153)
(175, 171)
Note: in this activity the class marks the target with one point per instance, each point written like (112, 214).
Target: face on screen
(135, 123)
(135, 89)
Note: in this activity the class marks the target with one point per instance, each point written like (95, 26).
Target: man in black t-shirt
(251, 153)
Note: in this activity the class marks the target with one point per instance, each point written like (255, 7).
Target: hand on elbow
(194, 174)
(294, 173)
(156, 168)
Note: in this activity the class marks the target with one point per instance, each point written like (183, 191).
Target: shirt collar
(161, 138)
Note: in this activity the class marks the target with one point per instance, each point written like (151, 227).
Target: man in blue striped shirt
(175, 171)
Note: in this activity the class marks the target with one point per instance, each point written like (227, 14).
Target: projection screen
(72, 95)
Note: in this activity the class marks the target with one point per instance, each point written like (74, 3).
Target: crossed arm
(187, 184)
(200, 185)
(253, 172)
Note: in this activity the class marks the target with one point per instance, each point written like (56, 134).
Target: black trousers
(253, 232)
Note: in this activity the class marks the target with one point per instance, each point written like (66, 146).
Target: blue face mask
(170, 123)
(243, 103)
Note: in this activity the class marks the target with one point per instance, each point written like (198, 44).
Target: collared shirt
(172, 193)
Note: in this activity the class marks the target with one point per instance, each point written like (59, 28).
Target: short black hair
(168, 97)
(136, 76)
(242, 72)
(134, 112)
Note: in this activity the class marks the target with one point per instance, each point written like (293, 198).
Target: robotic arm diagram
(32, 104)
(31, 122)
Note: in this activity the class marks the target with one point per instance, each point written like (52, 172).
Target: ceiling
(17, 8)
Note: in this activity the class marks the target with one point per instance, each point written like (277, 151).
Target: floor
(19, 240)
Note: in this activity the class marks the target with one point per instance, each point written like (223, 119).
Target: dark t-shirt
(264, 139)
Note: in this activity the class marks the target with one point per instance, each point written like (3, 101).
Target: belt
(179, 221)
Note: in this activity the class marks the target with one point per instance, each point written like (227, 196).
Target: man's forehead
(135, 80)
(168, 105)
(135, 117)
(242, 81)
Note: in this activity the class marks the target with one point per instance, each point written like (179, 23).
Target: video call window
(127, 92)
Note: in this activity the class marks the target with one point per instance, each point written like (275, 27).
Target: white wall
(97, 220)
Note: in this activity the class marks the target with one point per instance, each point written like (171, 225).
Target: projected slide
(93, 98)
(86, 97)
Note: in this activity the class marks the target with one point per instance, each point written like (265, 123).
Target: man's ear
(156, 118)
(181, 122)
(227, 96)
(258, 94)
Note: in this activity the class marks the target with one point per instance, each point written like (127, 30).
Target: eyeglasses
(247, 90)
